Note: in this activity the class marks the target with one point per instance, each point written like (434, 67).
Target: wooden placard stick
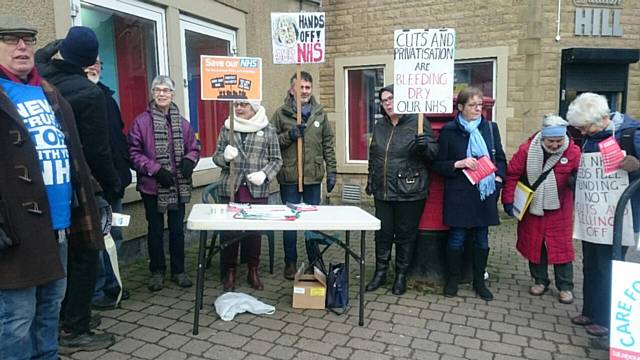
(420, 123)
(232, 142)
(299, 121)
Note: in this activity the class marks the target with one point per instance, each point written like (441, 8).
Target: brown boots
(229, 282)
(253, 279)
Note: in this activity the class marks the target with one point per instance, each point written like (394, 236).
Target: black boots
(383, 254)
(404, 252)
(479, 265)
(454, 268)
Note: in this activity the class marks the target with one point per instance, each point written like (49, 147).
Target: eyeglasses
(474, 105)
(387, 100)
(241, 104)
(28, 40)
(162, 91)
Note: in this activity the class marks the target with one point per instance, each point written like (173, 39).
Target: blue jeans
(105, 278)
(289, 193)
(29, 318)
(480, 237)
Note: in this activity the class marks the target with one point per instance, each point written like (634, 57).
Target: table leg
(347, 256)
(363, 235)
(199, 282)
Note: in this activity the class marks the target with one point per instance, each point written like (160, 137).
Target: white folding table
(209, 217)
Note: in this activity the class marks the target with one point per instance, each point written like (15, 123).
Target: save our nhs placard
(298, 38)
(228, 78)
(423, 70)
(624, 336)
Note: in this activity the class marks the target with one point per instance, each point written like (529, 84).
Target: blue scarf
(478, 148)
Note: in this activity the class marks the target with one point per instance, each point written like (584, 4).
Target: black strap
(541, 179)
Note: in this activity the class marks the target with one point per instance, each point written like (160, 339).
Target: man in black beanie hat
(61, 62)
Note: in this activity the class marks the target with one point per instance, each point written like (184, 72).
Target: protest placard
(298, 38)
(624, 340)
(596, 197)
(423, 70)
(231, 78)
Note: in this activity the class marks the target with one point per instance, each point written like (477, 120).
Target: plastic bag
(231, 303)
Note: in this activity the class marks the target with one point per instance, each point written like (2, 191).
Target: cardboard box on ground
(309, 290)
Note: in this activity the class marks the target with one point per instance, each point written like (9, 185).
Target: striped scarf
(168, 198)
(546, 195)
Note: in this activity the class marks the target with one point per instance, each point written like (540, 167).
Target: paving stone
(286, 340)
(502, 348)
(467, 342)
(173, 341)
(229, 339)
(149, 351)
(368, 355)
(224, 353)
(127, 345)
(335, 339)
(282, 352)
(267, 335)
(537, 354)
(148, 335)
(341, 352)
(311, 333)
(361, 332)
(478, 354)
(257, 347)
(315, 346)
(398, 351)
(112, 355)
(156, 322)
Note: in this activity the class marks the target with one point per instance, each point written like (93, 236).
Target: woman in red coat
(545, 233)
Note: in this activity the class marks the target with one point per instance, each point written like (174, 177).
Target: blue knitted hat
(80, 46)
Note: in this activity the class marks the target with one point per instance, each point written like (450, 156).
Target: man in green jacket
(318, 157)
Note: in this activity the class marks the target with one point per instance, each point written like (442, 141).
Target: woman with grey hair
(547, 163)
(164, 152)
(590, 114)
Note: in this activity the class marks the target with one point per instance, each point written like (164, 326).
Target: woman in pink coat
(545, 232)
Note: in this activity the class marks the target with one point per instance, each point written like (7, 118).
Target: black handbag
(337, 288)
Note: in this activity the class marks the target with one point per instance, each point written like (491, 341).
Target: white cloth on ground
(229, 304)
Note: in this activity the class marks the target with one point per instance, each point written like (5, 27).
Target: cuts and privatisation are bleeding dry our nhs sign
(298, 38)
(423, 61)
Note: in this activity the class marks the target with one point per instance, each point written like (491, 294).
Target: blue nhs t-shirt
(40, 120)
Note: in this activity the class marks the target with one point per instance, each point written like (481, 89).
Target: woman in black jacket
(467, 207)
(398, 180)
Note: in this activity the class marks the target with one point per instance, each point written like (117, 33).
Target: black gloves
(297, 131)
(331, 181)
(5, 241)
(165, 178)
(367, 190)
(508, 209)
(420, 141)
(187, 168)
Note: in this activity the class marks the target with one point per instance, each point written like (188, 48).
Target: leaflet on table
(485, 168)
(234, 206)
(302, 207)
(612, 154)
(284, 214)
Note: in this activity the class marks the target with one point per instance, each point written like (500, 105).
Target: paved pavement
(417, 325)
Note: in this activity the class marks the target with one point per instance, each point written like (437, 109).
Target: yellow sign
(228, 78)
(317, 291)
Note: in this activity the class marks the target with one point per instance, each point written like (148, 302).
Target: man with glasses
(44, 170)
(61, 62)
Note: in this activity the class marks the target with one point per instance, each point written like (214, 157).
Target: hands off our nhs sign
(298, 38)
(423, 70)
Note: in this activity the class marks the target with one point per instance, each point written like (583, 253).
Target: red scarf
(33, 78)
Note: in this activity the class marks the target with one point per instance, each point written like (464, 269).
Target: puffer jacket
(319, 148)
(397, 169)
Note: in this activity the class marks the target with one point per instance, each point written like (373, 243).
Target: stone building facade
(514, 47)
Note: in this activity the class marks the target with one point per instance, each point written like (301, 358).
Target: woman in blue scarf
(469, 209)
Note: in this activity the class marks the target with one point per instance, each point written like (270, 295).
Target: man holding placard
(597, 193)
(318, 157)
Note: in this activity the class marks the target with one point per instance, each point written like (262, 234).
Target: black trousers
(596, 262)
(155, 233)
(399, 225)
(82, 265)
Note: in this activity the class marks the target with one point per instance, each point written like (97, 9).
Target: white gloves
(257, 178)
(230, 153)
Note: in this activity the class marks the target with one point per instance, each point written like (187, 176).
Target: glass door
(206, 117)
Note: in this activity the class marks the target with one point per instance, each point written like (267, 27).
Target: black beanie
(80, 46)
